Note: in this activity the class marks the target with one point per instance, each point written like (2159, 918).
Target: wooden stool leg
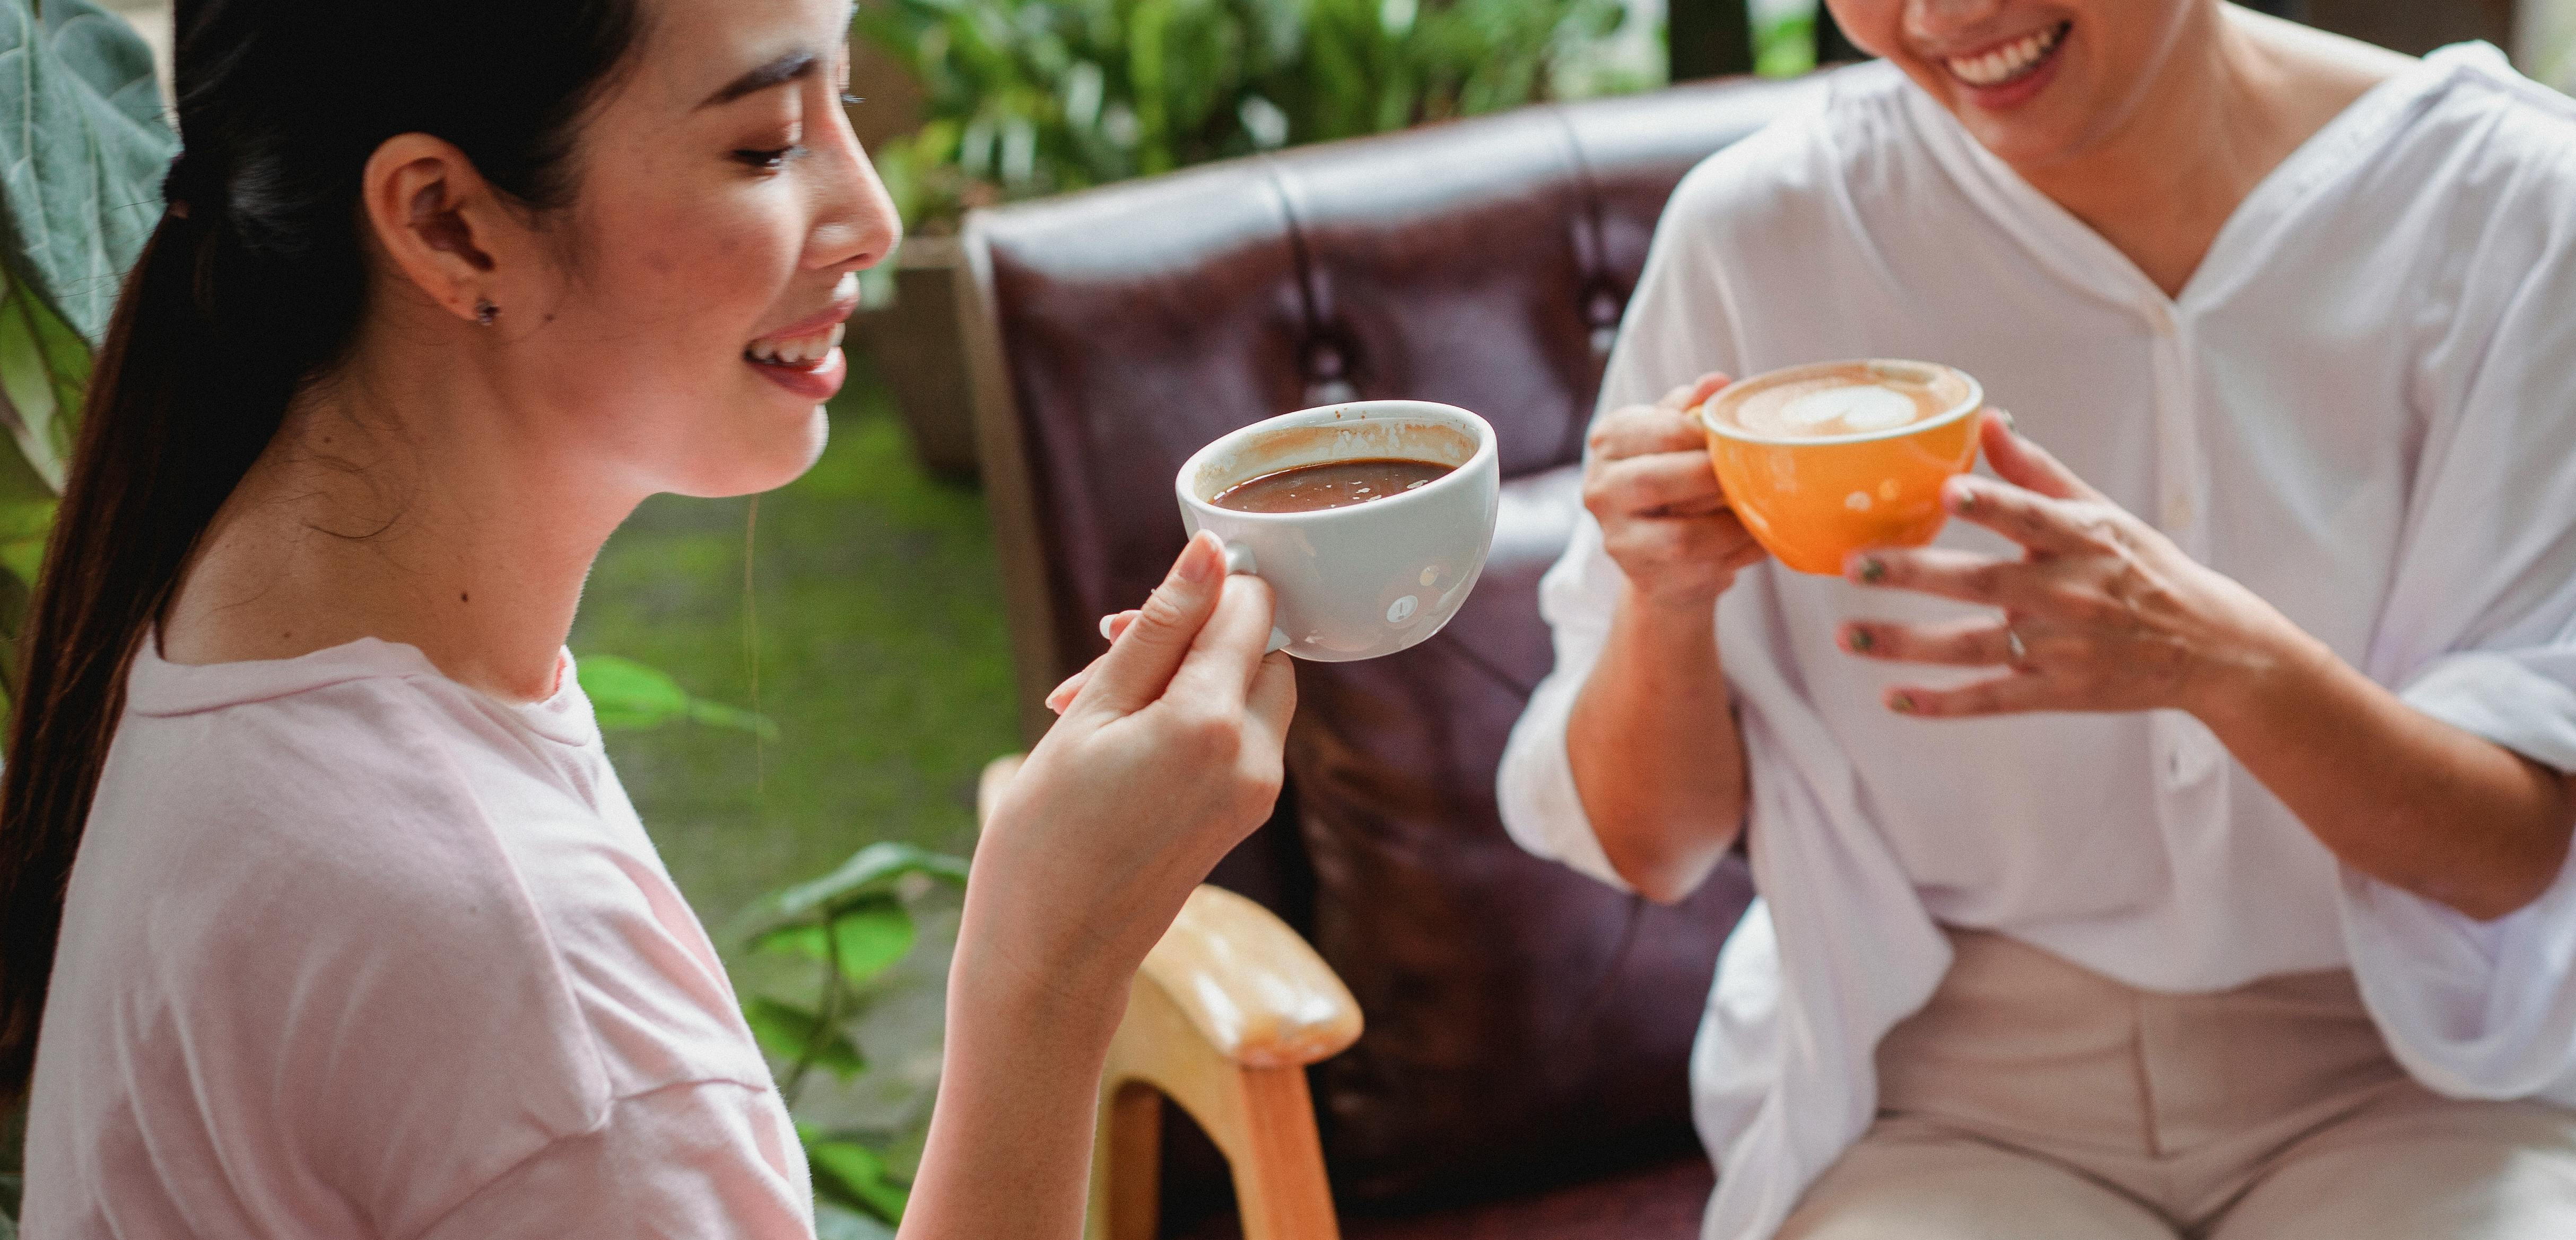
(1222, 1020)
(1281, 1190)
(1126, 1165)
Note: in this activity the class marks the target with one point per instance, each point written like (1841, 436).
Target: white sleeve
(708, 1159)
(2480, 632)
(1535, 784)
(1677, 328)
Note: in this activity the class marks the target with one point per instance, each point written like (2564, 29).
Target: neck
(2237, 93)
(412, 500)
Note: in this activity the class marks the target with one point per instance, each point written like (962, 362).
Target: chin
(2023, 144)
(742, 467)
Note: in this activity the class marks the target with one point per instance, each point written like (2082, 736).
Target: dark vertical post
(1708, 38)
(1833, 47)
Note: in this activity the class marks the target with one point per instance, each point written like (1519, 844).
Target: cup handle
(1238, 560)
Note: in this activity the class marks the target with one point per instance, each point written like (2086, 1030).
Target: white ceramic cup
(1370, 579)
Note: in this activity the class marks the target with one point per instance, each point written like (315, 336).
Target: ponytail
(252, 286)
(159, 449)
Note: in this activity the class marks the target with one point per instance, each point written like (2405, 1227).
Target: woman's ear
(439, 222)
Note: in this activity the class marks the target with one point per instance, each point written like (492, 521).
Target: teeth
(798, 350)
(2007, 62)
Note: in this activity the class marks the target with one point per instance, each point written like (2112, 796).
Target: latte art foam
(1848, 398)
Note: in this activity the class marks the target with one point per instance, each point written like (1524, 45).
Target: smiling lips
(2004, 65)
(797, 351)
(805, 358)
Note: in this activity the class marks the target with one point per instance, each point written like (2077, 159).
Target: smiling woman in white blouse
(2179, 845)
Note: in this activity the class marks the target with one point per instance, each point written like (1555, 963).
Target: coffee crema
(1329, 484)
(1847, 398)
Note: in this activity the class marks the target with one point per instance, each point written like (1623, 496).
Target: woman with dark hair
(325, 914)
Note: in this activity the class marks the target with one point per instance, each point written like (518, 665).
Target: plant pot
(922, 357)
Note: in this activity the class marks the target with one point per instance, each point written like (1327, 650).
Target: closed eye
(770, 160)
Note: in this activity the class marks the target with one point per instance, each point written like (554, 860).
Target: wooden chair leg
(1280, 1189)
(1126, 1164)
(1261, 1118)
(1227, 1012)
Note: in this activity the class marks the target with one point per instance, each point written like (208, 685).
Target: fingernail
(1202, 561)
(1105, 632)
(1962, 499)
(1903, 703)
(2006, 415)
(1873, 569)
(1861, 640)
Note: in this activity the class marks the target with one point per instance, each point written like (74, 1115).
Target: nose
(856, 225)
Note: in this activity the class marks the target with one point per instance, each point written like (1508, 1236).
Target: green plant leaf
(24, 526)
(79, 198)
(43, 368)
(630, 696)
(871, 934)
(870, 871)
(793, 1033)
(853, 1175)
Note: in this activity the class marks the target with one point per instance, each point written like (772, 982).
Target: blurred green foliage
(1031, 97)
(850, 925)
(82, 149)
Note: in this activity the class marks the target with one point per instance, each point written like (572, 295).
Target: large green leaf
(627, 696)
(870, 936)
(83, 148)
(44, 366)
(869, 872)
(795, 1034)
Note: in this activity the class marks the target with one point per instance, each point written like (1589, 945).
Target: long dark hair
(252, 286)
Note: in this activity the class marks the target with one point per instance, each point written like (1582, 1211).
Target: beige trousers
(2034, 1098)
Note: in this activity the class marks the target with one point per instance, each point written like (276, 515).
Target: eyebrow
(786, 68)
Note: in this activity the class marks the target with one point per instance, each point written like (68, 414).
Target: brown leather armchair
(1523, 1066)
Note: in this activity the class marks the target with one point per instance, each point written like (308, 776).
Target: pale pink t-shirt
(351, 950)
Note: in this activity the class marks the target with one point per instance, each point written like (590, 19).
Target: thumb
(1694, 392)
(2025, 464)
(1141, 662)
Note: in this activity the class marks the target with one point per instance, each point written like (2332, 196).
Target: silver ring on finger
(2015, 653)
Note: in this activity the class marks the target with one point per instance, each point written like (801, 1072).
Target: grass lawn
(876, 613)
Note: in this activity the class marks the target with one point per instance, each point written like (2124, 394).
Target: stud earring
(485, 312)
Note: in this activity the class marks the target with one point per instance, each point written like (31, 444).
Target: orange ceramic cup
(1813, 500)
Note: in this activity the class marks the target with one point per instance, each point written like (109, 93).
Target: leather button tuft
(1327, 378)
(1602, 311)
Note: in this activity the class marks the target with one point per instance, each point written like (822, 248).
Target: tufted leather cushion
(1525, 1025)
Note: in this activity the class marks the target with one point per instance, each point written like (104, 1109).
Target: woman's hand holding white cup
(1170, 742)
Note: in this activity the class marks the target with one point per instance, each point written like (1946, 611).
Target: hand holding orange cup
(1823, 460)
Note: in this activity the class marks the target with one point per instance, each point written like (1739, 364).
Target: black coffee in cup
(1330, 484)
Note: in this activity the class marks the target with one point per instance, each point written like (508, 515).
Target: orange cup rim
(1973, 401)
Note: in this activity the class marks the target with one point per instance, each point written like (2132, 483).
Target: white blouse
(2362, 407)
